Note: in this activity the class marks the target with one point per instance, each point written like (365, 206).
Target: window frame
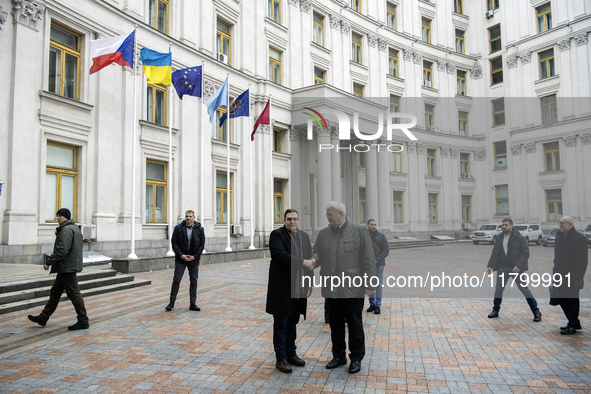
(356, 5)
(59, 172)
(398, 206)
(221, 37)
(501, 200)
(228, 191)
(155, 183)
(497, 71)
(318, 28)
(361, 159)
(463, 122)
(154, 87)
(426, 29)
(553, 155)
(492, 5)
(432, 162)
(492, 40)
(550, 108)
(547, 64)
(428, 73)
(64, 49)
(271, 9)
(495, 113)
(219, 131)
(464, 163)
(462, 89)
(391, 10)
(467, 209)
(277, 139)
(433, 208)
(272, 65)
(157, 11)
(546, 17)
(357, 48)
(500, 155)
(359, 87)
(278, 214)
(429, 116)
(393, 62)
(458, 7)
(460, 41)
(557, 203)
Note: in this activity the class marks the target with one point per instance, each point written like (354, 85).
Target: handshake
(309, 264)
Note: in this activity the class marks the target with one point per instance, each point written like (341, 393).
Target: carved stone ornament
(416, 58)
(476, 73)
(305, 5)
(372, 40)
(382, 45)
(421, 148)
(3, 17)
(581, 39)
(407, 55)
(455, 152)
(264, 129)
(335, 21)
(480, 155)
(570, 141)
(445, 152)
(511, 62)
(451, 69)
(333, 128)
(295, 134)
(564, 45)
(27, 12)
(208, 89)
(411, 147)
(441, 66)
(586, 138)
(345, 27)
(294, 2)
(530, 147)
(525, 58)
(516, 149)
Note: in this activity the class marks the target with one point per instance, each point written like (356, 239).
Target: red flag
(263, 119)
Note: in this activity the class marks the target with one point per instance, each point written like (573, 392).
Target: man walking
(381, 250)
(570, 262)
(509, 258)
(65, 261)
(287, 292)
(344, 251)
(188, 241)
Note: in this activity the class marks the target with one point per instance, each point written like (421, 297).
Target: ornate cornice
(416, 58)
(27, 12)
(407, 55)
(411, 147)
(570, 141)
(372, 40)
(305, 5)
(295, 133)
(530, 147)
(586, 138)
(581, 39)
(345, 27)
(451, 69)
(455, 152)
(516, 149)
(445, 152)
(335, 21)
(441, 66)
(525, 58)
(3, 17)
(476, 73)
(564, 45)
(480, 155)
(382, 44)
(421, 148)
(511, 62)
(208, 89)
(294, 2)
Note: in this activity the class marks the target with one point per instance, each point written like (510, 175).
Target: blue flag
(240, 107)
(187, 81)
(219, 99)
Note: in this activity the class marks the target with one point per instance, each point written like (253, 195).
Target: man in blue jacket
(381, 249)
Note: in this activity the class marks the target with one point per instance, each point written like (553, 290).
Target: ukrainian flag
(157, 66)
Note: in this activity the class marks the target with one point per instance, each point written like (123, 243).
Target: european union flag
(187, 81)
(240, 107)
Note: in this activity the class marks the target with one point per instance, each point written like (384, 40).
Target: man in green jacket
(65, 261)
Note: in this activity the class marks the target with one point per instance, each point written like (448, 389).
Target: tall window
(458, 8)
(64, 62)
(223, 198)
(466, 209)
(358, 90)
(356, 48)
(464, 164)
(427, 74)
(224, 40)
(498, 112)
(552, 156)
(461, 82)
(222, 133)
(318, 32)
(426, 30)
(502, 199)
(274, 10)
(278, 200)
(397, 207)
(429, 116)
(393, 62)
(549, 110)
(155, 191)
(500, 149)
(276, 140)
(391, 18)
(554, 204)
(274, 66)
(319, 76)
(159, 15)
(460, 48)
(394, 105)
(61, 179)
(396, 162)
(547, 64)
(361, 159)
(156, 104)
(494, 38)
(356, 5)
(496, 70)
(432, 208)
(492, 4)
(362, 205)
(544, 15)
(463, 123)
(431, 162)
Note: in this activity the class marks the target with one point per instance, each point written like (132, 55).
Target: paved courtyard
(438, 342)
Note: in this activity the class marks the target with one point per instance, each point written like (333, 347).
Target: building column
(335, 161)
(371, 185)
(570, 200)
(385, 218)
(324, 175)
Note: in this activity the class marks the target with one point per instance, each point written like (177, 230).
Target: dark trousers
(349, 310)
(284, 336)
(69, 283)
(179, 271)
(570, 307)
(508, 279)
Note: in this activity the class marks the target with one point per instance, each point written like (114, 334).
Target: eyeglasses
(563, 223)
(329, 215)
(292, 219)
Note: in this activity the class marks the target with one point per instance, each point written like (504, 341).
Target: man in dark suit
(288, 290)
(188, 241)
(509, 258)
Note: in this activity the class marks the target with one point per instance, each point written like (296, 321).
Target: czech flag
(157, 66)
(112, 50)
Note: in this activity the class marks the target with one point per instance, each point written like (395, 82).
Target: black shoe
(336, 362)
(493, 314)
(295, 360)
(283, 366)
(371, 308)
(355, 367)
(538, 316)
(568, 331)
(377, 311)
(577, 327)
(79, 326)
(38, 320)
(194, 308)
(169, 307)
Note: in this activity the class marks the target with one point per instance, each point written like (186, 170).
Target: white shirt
(506, 242)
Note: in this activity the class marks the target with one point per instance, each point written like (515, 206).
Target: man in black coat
(381, 249)
(570, 263)
(290, 275)
(188, 241)
(509, 258)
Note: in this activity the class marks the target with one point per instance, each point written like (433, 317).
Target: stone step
(403, 244)
(89, 274)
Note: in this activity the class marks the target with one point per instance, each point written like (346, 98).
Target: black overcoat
(180, 243)
(517, 251)
(570, 257)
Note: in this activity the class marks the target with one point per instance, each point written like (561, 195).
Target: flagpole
(169, 184)
(202, 209)
(228, 208)
(271, 166)
(132, 255)
(250, 176)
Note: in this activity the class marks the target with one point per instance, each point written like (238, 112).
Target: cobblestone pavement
(423, 344)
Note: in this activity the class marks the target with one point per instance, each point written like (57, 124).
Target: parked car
(550, 238)
(587, 233)
(531, 232)
(486, 233)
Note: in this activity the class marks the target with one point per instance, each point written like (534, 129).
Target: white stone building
(500, 90)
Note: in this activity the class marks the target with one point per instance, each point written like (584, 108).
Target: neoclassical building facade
(500, 92)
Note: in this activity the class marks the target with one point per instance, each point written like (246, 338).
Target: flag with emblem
(240, 107)
(187, 81)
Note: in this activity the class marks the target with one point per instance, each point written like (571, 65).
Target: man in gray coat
(347, 263)
(66, 261)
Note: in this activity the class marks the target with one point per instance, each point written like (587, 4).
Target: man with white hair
(344, 250)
